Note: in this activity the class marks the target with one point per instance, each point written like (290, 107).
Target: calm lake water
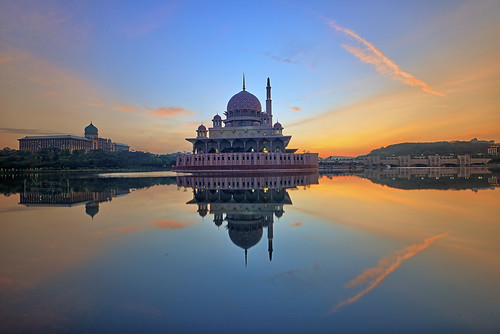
(401, 250)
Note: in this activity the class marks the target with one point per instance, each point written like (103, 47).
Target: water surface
(408, 250)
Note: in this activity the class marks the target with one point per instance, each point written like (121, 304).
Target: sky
(347, 76)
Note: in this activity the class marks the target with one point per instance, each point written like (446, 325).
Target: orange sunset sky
(346, 77)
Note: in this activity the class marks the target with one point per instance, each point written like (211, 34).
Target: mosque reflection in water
(247, 203)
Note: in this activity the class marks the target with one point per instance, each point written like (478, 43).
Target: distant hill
(473, 147)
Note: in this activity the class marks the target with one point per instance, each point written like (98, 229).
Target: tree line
(55, 158)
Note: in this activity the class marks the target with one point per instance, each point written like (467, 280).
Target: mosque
(246, 140)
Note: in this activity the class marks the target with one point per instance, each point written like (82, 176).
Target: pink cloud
(166, 111)
(4, 59)
(40, 81)
(129, 108)
(296, 224)
(155, 112)
(295, 109)
(95, 103)
(370, 54)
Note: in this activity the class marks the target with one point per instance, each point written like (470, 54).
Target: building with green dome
(91, 141)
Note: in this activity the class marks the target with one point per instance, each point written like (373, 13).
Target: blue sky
(146, 73)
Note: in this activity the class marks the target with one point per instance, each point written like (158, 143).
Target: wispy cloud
(295, 224)
(166, 111)
(27, 131)
(285, 60)
(5, 58)
(94, 102)
(295, 109)
(129, 108)
(40, 81)
(150, 21)
(155, 112)
(372, 277)
(50, 23)
(370, 54)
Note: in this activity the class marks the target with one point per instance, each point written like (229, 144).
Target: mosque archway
(199, 147)
(225, 146)
(251, 146)
(278, 145)
(212, 146)
(264, 145)
(238, 146)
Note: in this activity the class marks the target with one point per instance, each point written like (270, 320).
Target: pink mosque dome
(244, 100)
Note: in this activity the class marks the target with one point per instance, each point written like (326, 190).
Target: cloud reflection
(372, 277)
(160, 224)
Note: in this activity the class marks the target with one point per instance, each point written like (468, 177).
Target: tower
(269, 102)
(270, 240)
(201, 132)
(217, 121)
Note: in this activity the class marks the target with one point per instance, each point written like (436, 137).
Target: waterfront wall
(246, 161)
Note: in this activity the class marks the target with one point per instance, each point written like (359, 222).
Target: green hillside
(473, 148)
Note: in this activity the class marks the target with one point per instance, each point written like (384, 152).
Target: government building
(90, 142)
(246, 140)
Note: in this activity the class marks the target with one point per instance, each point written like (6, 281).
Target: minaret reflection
(249, 204)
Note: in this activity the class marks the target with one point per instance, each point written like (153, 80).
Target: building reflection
(457, 178)
(60, 193)
(248, 204)
(67, 192)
